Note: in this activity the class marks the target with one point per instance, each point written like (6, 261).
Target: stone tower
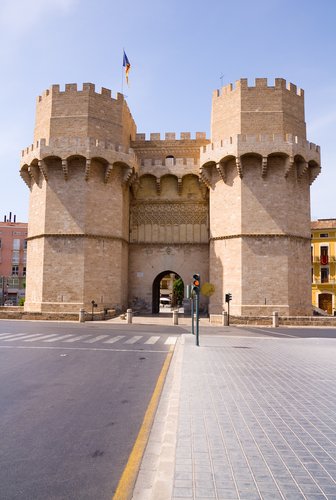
(258, 168)
(112, 212)
(78, 170)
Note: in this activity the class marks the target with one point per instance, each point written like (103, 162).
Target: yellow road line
(126, 483)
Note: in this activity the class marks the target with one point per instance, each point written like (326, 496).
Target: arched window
(170, 160)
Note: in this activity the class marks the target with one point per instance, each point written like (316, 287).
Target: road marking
(152, 340)
(79, 337)
(134, 339)
(59, 337)
(62, 348)
(171, 341)
(273, 332)
(126, 483)
(23, 337)
(114, 339)
(41, 338)
(9, 335)
(95, 339)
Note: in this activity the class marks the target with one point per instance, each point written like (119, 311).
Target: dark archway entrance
(325, 302)
(157, 289)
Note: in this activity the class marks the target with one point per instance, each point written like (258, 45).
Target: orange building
(13, 249)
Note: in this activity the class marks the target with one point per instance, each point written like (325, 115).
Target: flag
(126, 65)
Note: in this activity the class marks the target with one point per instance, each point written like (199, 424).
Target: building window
(324, 255)
(24, 271)
(324, 235)
(15, 270)
(0, 242)
(324, 275)
(25, 244)
(16, 244)
(15, 257)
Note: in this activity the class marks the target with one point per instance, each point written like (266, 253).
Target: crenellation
(170, 136)
(106, 92)
(280, 84)
(167, 162)
(242, 84)
(140, 137)
(291, 87)
(88, 87)
(227, 88)
(71, 87)
(261, 82)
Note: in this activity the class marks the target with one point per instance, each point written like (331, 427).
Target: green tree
(178, 292)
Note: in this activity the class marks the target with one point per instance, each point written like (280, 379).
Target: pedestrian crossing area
(50, 338)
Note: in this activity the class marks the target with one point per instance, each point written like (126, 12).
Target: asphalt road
(72, 400)
(73, 397)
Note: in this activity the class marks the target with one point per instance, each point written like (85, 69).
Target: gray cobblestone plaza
(257, 419)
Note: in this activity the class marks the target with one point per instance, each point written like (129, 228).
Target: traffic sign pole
(197, 317)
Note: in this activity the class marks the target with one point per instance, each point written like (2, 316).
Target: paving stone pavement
(255, 419)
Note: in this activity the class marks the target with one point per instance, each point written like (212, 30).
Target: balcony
(329, 282)
(323, 260)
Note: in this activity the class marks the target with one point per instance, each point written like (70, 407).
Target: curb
(156, 473)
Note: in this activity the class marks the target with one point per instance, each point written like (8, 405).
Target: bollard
(81, 316)
(275, 319)
(175, 317)
(129, 315)
(225, 319)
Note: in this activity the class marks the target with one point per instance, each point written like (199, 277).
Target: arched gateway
(163, 289)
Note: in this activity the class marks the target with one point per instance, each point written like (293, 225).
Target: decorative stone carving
(169, 214)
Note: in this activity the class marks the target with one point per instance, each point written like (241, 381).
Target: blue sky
(178, 50)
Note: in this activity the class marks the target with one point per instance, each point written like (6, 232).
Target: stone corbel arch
(222, 166)
(251, 154)
(34, 171)
(206, 171)
(24, 173)
(314, 170)
(301, 165)
(66, 165)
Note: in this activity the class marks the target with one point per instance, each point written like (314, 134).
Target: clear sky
(178, 49)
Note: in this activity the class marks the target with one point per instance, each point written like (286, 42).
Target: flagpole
(122, 74)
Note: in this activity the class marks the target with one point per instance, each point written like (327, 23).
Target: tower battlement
(71, 88)
(60, 144)
(170, 136)
(260, 83)
(268, 142)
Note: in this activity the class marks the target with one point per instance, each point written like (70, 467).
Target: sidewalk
(244, 418)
